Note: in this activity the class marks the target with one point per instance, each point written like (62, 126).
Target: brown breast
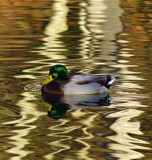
(53, 87)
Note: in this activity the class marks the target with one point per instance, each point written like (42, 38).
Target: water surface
(90, 37)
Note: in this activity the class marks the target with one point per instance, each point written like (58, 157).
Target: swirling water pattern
(91, 37)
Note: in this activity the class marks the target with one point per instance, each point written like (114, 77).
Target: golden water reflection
(126, 145)
(29, 115)
(88, 37)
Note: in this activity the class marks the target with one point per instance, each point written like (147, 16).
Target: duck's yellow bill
(48, 80)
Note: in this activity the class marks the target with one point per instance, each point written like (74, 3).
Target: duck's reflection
(57, 110)
(58, 105)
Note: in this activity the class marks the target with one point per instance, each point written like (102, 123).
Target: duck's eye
(55, 75)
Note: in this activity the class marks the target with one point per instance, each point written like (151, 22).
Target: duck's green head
(57, 73)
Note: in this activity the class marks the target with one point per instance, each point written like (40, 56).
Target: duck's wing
(104, 80)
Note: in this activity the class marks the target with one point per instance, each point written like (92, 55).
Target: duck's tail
(110, 80)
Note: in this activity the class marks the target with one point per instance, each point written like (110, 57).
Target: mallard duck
(60, 81)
